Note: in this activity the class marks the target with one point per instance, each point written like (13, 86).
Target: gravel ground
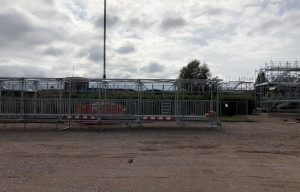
(256, 156)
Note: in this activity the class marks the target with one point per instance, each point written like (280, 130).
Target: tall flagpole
(104, 44)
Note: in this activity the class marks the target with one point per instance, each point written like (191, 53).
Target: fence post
(98, 89)
(35, 96)
(70, 96)
(176, 99)
(218, 101)
(60, 87)
(1, 84)
(139, 97)
(22, 98)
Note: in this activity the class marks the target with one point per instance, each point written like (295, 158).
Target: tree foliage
(195, 70)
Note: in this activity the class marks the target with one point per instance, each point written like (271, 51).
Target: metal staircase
(166, 108)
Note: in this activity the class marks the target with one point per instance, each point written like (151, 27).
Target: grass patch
(235, 119)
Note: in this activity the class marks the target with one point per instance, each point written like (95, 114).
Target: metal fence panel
(132, 107)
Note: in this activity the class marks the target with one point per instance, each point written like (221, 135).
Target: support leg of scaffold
(66, 128)
(220, 126)
(100, 127)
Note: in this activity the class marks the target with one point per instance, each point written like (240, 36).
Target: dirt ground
(252, 156)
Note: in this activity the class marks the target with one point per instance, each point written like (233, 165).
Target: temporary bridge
(110, 101)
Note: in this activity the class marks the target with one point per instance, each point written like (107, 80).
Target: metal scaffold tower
(277, 87)
(241, 84)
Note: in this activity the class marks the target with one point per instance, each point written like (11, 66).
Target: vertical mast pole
(104, 43)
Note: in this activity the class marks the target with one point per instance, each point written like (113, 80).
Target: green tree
(195, 70)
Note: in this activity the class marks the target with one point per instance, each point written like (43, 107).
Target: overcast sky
(146, 39)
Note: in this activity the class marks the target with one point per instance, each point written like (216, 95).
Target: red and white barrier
(159, 118)
(79, 118)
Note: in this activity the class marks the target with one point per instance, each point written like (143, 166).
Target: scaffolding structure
(110, 101)
(238, 85)
(277, 87)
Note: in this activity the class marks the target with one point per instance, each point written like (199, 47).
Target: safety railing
(20, 106)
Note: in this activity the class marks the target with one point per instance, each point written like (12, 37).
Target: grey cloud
(130, 34)
(95, 56)
(137, 22)
(49, 2)
(153, 68)
(95, 53)
(22, 71)
(111, 20)
(54, 51)
(16, 28)
(275, 25)
(214, 10)
(203, 35)
(169, 23)
(195, 39)
(217, 29)
(82, 53)
(127, 66)
(126, 49)
(126, 75)
(41, 36)
(13, 25)
(267, 26)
